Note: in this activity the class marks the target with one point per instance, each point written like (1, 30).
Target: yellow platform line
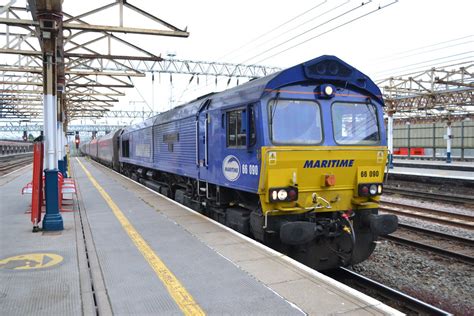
(177, 291)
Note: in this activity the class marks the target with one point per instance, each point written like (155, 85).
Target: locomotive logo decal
(231, 168)
(341, 163)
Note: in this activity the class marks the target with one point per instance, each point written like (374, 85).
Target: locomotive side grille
(178, 152)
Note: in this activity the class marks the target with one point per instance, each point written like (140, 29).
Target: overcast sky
(406, 36)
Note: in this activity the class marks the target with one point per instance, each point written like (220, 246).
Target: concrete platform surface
(435, 164)
(127, 250)
(433, 173)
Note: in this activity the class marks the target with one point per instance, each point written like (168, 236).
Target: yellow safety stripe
(177, 291)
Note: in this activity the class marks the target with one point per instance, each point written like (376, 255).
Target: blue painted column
(66, 175)
(61, 163)
(52, 220)
(62, 167)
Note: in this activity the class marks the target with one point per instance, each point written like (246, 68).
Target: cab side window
(126, 148)
(235, 136)
(236, 125)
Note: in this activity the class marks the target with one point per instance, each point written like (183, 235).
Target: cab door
(202, 139)
(240, 166)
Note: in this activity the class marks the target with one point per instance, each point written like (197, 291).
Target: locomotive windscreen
(295, 122)
(355, 124)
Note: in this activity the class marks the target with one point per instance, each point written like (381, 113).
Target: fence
(10, 148)
(428, 140)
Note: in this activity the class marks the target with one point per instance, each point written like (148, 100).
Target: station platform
(434, 164)
(435, 170)
(127, 250)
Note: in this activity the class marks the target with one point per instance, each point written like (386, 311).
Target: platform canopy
(97, 57)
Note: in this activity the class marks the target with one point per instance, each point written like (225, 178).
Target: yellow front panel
(307, 168)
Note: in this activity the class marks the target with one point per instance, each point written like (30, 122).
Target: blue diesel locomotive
(295, 159)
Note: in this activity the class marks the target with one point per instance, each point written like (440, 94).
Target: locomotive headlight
(379, 189)
(373, 189)
(274, 195)
(325, 91)
(282, 195)
(328, 90)
(286, 194)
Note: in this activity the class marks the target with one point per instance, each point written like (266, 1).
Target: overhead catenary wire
(306, 32)
(423, 53)
(395, 55)
(441, 59)
(330, 30)
(422, 57)
(187, 87)
(139, 93)
(272, 30)
(262, 43)
(354, 8)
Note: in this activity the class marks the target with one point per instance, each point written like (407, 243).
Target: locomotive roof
(324, 69)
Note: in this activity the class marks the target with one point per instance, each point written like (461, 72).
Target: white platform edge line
(369, 300)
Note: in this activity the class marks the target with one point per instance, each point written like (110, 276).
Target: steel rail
(7, 166)
(407, 301)
(469, 242)
(430, 248)
(438, 196)
(437, 216)
(5, 158)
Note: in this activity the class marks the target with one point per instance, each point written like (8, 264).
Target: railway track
(450, 246)
(13, 162)
(432, 215)
(437, 196)
(392, 297)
